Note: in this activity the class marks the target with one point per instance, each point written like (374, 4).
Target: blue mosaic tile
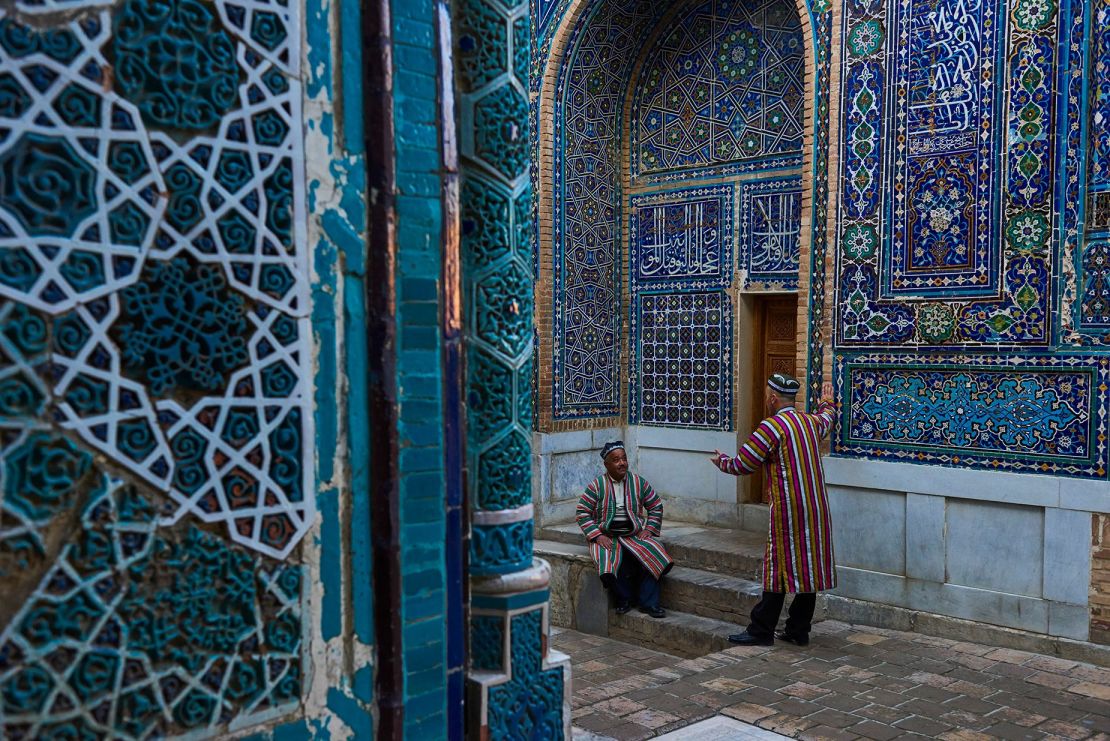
(154, 283)
(721, 92)
(587, 206)
(682, 238)
(927, 210)
(682, 376)
(742, 113)
(1035, 414)
(770, 229)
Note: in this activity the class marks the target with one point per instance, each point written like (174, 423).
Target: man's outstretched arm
(751, 455)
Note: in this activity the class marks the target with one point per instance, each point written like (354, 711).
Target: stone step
(710, 594)
(695, 591)
(737, 553)
(679, 633)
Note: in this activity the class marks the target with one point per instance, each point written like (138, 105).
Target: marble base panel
(1003, 549)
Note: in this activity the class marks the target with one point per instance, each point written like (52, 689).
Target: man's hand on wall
(827, 391)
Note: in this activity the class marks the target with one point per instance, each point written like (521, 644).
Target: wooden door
(776, 351)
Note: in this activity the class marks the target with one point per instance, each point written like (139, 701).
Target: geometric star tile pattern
(587, 312)
(724, 87)
(682, 375)
(154, 367)
(151, 233)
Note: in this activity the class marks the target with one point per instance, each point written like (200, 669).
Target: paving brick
(971, 705)
(882, 697)
(726, 685)
(926, 692)
(965, 719)
(845, 703)
(825, 733)
(927, 708)
(652, 718)
(758, 696)
(1052, 664)
(1009, 655)
(598, 722)
(881, 713)
(804, 691)
(629, 732)
(873, 730)
(619, 706)
(1014, 715)
(960, 687)
(1049, 679)
(924, 726)
(915, 695)
(834, 718)
(1065, 730)
(1013, 732)
(747, 712)
(965, 735)
(1090, 689)
(712, 699)
(785, 724)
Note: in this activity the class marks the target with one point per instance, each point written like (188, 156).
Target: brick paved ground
(850, 682)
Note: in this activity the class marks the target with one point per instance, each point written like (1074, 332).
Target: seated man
(623, 541)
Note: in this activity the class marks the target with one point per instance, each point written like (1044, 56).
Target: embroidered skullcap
(610, 447)
(784, 384)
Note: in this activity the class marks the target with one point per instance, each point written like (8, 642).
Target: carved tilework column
(510, 665)
(156, 428)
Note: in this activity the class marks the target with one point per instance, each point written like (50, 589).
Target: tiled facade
(969, 238)
(951, 275)
(714, 98)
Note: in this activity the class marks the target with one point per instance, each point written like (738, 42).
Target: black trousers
(632, 579)
(799, 619)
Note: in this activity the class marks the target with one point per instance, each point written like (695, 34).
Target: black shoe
(655, 612)
(747, 639)
(623, 608)
(796, 640)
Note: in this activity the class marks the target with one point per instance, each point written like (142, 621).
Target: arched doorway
(674, 157)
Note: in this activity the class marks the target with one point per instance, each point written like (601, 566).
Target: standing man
(623, 541)
(799, 556)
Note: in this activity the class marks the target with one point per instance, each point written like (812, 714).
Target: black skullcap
(784, 384)
(610, 447)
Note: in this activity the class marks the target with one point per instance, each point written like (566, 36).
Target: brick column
(510, 665)
(1100, 579)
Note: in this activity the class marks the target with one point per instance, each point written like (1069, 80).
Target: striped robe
(799, 556)
(596, 508)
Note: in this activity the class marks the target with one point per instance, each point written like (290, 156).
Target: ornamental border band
(622, 519)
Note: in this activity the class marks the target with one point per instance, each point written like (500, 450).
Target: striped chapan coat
(799, 556)
(596, 508)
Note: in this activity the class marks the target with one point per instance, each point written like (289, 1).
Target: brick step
(694, 591)
(737, 553)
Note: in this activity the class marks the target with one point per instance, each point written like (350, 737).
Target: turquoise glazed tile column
(516, 688)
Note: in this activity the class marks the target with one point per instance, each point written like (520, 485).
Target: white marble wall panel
(1067, 556)
(1000, 548)
(925, 537)
(993, 546)
(869, 529)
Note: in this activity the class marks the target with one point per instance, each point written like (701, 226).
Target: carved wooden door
(776, 351)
